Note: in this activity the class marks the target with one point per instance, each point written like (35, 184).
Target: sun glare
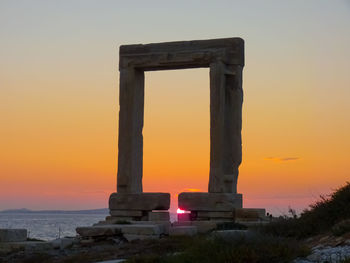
(179, 211)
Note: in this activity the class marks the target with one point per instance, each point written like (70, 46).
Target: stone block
(249, 213)
(30, 246)
(202, 226)
(13, 235)
(216, 214)
(100, 230)
(142, 229)
(139, 201)
(126, 213)
(182, 231)
(62, 243)
(209, 201)
(164, 225)
(184, 217)
(159, 216)
(132, 237)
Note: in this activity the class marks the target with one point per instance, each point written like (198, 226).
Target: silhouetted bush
(240, 249)
(320, 218)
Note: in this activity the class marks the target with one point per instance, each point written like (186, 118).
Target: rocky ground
(77, 250)
(325, 248)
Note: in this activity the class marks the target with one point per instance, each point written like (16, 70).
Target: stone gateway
(225, 59)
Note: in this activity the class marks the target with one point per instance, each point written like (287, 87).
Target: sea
(49, 226)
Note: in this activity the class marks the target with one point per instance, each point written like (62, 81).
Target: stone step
(202, 226)
(209, 201)
(158, 216)
(121, 229)
(139, 201)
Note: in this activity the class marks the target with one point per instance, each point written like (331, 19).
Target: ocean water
(48, 226)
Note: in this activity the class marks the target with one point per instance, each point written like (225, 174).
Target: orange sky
(59, 101)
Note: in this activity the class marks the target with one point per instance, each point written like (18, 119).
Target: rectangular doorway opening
(176, 133)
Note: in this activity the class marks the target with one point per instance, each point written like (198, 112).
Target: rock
(139, 201)
(249, 214)
(184, 217)
(164, 225)
(196, 201)
(159, 216)
(216, 214)
(202, 226)
(13, 235)
(182, 231)
(27, 246)
(117, 229)
(62, 243)
(101, 230)
(127, 213)
(142, 229)
(132, 237)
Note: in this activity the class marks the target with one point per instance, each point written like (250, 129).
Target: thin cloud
(279, 159)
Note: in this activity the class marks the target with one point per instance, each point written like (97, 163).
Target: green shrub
(320, 218)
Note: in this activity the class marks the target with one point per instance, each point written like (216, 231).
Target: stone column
(226, 98)
(130, 141)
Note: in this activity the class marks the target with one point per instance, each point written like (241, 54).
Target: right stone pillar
(226, 98)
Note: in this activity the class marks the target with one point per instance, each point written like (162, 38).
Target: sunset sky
(59, 84)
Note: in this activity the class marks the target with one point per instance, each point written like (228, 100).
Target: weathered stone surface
(216, 214)
(130, 142)
(127, 213)
(209, 201)
(184, 217)
(202, 226)
(183, 231)
(142, 229)
(159, 216)
(249, 213)
(182, 54)
(62, 243)
(164, 225)
(117, 229)
(139, 201)
(225, 57)
(32, 246)
(132, 237)
(226, 98)
(101, 230)
(13, 235)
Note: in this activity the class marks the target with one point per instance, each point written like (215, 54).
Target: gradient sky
(59, 99)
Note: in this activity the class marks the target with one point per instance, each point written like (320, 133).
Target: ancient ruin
(138, 215)
(225, 59)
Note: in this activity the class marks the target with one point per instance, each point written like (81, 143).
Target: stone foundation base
(138, 207)
(221, 202)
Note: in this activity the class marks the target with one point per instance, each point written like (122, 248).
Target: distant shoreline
(28, 211)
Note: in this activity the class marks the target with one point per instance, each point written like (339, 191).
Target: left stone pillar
(130, 202)
(130, 141)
